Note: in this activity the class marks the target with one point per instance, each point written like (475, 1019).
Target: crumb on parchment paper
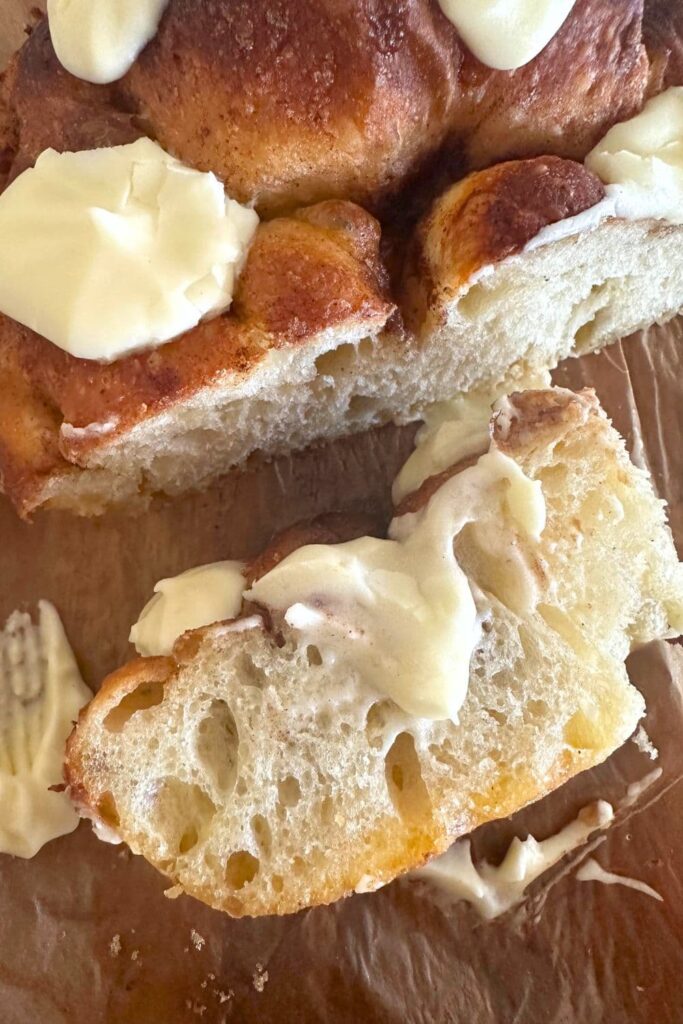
(197, 1008)
(198, 941)
(115, 945)
(260, 978)
(645, 744)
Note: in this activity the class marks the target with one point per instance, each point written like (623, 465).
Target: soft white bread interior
(479, 285)
(261, 780)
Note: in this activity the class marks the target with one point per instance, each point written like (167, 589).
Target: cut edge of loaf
(478, 280)
(413, 811)
(479, 308)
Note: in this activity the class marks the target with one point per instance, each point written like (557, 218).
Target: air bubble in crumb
(198, 941)
(260, 978)
(115, 946)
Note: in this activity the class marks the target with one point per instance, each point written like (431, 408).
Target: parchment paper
(86, 934)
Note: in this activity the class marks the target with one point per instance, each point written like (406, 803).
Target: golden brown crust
(591, 75)
(308, 99)
(303, 275)
(526, 420)
(52, 109)
(533, 419)
(331, 528)
(485, 218)
(663, 37)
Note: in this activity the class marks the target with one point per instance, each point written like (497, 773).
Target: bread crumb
(645, 744)
(135, 954)
(198, 941)
(223, 997)
(173, 892)
(197, 1008)
(115, 946)
(260, 978)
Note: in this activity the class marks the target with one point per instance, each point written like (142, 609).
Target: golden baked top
(302, 100)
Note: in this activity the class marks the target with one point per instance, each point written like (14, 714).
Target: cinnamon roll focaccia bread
(262, 776)
(316, 348)
(79, 434)
(337, 324)
(303, 100)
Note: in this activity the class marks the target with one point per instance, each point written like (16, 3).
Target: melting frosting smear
(494, 890)
(401, 611)
(41, 693)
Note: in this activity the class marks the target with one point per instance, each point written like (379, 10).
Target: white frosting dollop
(41, 693)
(641, 163)
(643, 158)
(98, 40)
(113, 250)
(506, 34)
(203, 595)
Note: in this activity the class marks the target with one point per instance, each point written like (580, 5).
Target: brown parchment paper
(86, 934)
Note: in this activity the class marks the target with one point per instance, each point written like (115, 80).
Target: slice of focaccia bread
(266, 376)
(262, 778)
(310, 349)
(503, 275)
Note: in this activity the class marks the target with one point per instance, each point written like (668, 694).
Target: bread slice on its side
(261, 780)
(479, 283)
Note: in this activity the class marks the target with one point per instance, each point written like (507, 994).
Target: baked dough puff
(294, 101)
